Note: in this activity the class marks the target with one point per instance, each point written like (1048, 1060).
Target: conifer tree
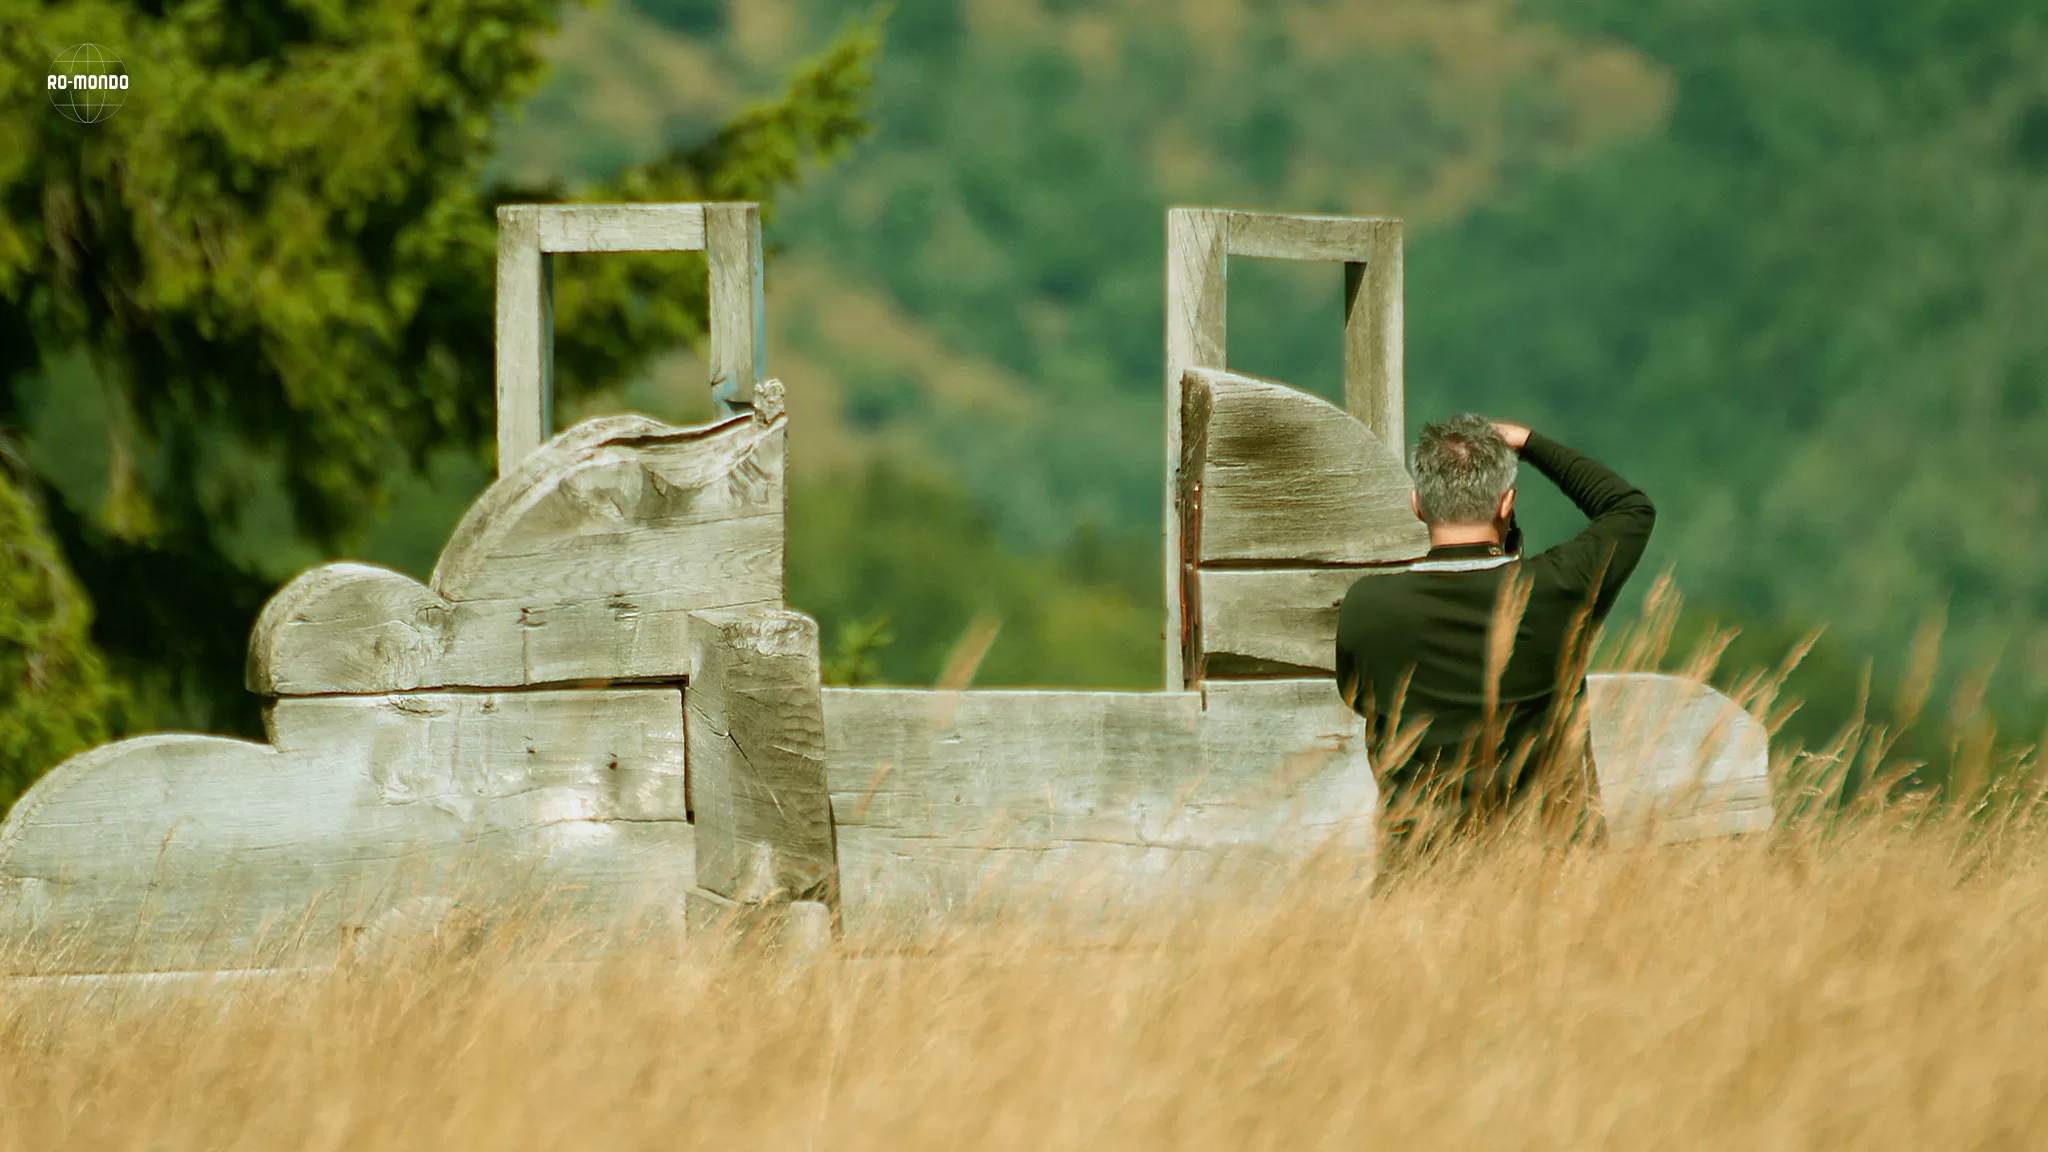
(276, 265)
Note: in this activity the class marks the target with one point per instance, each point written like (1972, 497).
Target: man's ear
(1415, 503)
(1507, 505)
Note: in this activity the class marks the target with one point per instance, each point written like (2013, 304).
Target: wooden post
(739, 341)
(756, 733)
(526, 337)
(1373, 387)
(1197, 297)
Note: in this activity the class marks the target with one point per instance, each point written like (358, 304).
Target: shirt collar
(1481, 550)
(1465, 551)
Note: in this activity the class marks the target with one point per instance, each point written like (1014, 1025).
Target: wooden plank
(1373, 389)
(526, 338)
(1197, 301)
(957, 804)
(508, 759)
(1289, 478)
(180, 852)
(739, 339)
(740, 558)
(1676, 759)
(617, 227)
(757, 759)
(1281, 236)
(1273, 622)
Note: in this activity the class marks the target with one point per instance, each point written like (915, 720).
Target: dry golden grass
(1862, 979)
(1880, 987)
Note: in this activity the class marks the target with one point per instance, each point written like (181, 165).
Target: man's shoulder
(1378, 588)
(1559, 565)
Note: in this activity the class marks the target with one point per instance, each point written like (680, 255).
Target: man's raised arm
(1608, 549)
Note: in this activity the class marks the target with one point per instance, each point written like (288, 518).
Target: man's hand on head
(1515, 434)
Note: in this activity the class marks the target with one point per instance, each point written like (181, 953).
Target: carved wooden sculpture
(599, 704)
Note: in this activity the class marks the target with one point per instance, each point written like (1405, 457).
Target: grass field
(1878, 988)
(1862, 976)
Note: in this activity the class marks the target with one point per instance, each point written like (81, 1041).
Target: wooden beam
(1373, 388)
(618, 227)
(526, 337)
(1278, 236)
(757, 759)
(1197, 299)
(964, 805)
(739, 341)
(1273, 622)
(1289, 479)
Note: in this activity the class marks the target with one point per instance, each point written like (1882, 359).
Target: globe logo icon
(88, 83)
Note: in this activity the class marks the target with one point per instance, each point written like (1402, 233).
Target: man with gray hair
(1469, 666)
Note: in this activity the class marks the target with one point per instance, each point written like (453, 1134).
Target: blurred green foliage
(55, 695)
(239, 313)
(913, 547)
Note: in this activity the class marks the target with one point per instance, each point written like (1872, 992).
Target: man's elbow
(1642, 511)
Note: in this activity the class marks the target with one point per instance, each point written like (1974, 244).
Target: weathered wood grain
(739, 335)
(1268, 622)
(959, 804)
(1373, 350)
(583, 564)
(1290, 479)
(638, 473)
(349, 627)
(757, 759)
(1677, 760)
(176, 852)
(1283, 236)
(1197, 301)
(739, 559)
(616, 227)
(526, 338)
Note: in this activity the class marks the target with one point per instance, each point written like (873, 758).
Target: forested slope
(1777, 258)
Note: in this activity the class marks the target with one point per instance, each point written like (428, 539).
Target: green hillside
(1770, 257)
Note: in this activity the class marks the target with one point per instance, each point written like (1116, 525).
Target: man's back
(1436, 618)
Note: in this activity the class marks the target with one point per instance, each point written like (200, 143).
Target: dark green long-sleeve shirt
(1436, 622)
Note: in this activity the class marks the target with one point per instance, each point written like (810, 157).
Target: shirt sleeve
(1601, 557)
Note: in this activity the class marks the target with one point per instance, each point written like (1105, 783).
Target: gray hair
(1462, 468)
